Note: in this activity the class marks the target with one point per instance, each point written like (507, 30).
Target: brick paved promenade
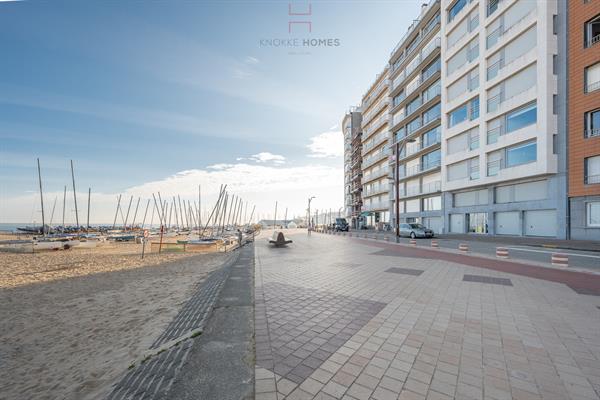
(350, 319)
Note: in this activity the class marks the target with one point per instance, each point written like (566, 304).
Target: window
(464, 169)
(492, 6)
(466, 54)
(456, 8)
(511, 87)
(398, 98)
(431, 160)
(592, 31)
(592, 123)
(431, 69)
(466, 83)
(592, 78)
(413, 105)
(472, 198)
(509, 53)
(593, 213)
(468, 140)
(521, 117)
(529, 191)
(469, 110)
(521, 154)
(432, 114)
(511, 157)
(431, 137)
(592, 170)
(432, 203)
(431, 91)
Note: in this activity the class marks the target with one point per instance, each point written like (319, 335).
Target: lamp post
(309, 215)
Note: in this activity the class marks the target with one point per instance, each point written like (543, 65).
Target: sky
(165, 96)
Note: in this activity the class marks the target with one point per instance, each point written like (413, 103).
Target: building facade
(352, 131)
(500, 169)
(415, 111)
(584, 118)
(375, 152)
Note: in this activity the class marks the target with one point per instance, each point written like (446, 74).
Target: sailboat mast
(135, 213)
(275, 219)
(145, 214)
(41, 198)
(127, 215)
(117, 212)
(64, 207)
(52, 215)
(75, 196)
(88, 210)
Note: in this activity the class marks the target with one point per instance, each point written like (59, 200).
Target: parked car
(341, 225)
(415, 231)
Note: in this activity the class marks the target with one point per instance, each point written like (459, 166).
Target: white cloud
(264, 157)
(257, 184)
(327, 144)
(251, 60)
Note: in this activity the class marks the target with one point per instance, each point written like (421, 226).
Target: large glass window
(431, 69)
(521, 117)
(592, 123)
(593, 213)
(592, 170)
(457, 116)
(432, 203)
(431, 160)
(477, 222)
(455, 9)
(431, 137)
(521, 154)
(592, 78)
(432, 114)
(592, 31)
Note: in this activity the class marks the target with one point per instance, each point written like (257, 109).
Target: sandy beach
(73, 321)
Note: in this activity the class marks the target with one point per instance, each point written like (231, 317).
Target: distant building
(352, 131)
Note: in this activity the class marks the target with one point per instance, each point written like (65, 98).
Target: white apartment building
(499, 124)
(375, 152)
(415, 111)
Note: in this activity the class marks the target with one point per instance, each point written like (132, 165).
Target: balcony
(423, 78)
(417, 41)
(592, 179)
(382, 85)
(418, 190)
(375, 175)
(368, 161)
(375, 142)
(375, 125)
(417, 169)
(421, 146)
(377, 206)
(494, 36)
(369, 116)
(415, 63)
(376, 190)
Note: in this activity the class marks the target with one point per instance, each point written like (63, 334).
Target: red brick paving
(581, 282)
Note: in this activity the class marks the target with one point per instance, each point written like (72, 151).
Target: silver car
(415, 230)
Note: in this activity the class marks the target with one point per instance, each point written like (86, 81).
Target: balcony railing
(592, 132)
(493, 167)
(592, 179)
(492, 6)
(421, 146)
(382, 85)
(376, 141)
(410, 29)
(379, 205)
(376, 190)
(494, 134)
(592, 86)
(416, 169)
(368, 161)
(418, 190)
(369, 116)
(593, 40)
(416, 62)
(374, 175)
(375, 125)
(494, 36)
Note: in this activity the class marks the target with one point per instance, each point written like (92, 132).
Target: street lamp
(308, 222)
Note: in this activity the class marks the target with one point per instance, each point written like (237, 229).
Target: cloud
(256, 184)
(251, 60)
(264, 157)
(327, 144)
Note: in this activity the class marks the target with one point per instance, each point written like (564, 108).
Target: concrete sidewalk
(357, 319)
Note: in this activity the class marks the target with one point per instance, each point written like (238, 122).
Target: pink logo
(307, 11)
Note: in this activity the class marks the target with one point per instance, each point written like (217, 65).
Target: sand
(73, 321)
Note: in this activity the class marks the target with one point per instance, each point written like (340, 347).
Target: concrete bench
(278, 239)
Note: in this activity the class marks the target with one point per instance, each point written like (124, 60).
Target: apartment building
(584, 118)
(375, 152)
(352, 131)
(415, 111)
(500, 162)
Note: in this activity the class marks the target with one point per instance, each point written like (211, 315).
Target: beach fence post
(161, 238)
(146, 234)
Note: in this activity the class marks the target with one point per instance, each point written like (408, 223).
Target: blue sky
(148, 96)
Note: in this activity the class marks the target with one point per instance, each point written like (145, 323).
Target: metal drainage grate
(345, 265)
(487, 279)
(404, 271)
